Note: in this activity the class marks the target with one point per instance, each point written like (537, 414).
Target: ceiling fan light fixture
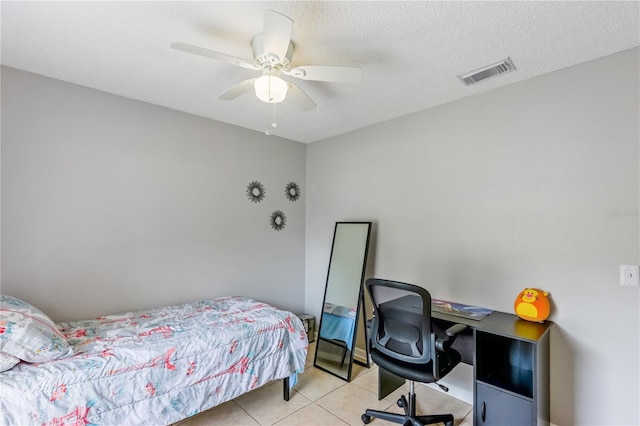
(270, 88)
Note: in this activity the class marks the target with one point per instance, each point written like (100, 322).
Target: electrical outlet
(630, 275)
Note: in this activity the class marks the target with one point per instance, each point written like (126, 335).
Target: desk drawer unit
(511, 376)
(495, 407)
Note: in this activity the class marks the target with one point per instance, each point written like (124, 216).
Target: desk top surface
(500, 323)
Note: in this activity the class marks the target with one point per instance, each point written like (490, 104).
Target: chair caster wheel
(402, 402)
(448, 424)
(365, 419)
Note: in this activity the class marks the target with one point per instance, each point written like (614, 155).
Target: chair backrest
(401, 327)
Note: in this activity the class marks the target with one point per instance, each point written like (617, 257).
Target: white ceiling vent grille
(483, 73)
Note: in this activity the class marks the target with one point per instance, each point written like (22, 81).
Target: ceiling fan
(272, 51)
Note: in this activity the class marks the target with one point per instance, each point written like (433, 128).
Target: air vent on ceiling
(483, 73)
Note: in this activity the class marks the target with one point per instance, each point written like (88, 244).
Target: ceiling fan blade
(300, 99)
(189, 48)
(330, 73)
(237, 90)
(277, 33)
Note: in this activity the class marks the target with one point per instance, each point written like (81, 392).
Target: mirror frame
(360, 307)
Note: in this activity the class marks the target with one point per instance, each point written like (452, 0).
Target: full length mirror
(343, 300)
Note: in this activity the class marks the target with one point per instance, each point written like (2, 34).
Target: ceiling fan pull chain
(271, 120)
(274, 124)
(269, 86)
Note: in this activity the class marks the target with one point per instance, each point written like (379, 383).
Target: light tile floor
(321, 399)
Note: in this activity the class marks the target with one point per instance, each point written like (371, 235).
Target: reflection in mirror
(343, 300)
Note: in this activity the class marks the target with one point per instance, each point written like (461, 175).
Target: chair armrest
(452, 332)
(456, 329)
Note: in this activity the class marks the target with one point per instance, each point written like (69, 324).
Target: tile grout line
(292, 413)
(248, 414)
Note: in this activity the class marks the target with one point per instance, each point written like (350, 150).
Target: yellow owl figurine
(532, 304)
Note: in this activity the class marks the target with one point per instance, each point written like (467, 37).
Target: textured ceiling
(410, 52)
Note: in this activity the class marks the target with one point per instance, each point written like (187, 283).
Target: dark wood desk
(510, 359)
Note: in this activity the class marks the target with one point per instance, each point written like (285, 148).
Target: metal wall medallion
(255, 191)
(292, 191)
(278, 220)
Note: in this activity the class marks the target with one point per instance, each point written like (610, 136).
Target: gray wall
(535, 184)
(110, 204)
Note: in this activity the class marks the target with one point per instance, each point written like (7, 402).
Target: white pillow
(7, 362)
(27, 333)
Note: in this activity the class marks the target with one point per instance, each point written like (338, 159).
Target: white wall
(110, 204)
(477, 199)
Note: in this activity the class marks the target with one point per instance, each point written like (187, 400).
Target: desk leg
(387, 382)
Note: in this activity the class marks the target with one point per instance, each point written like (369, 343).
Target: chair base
(409, 418)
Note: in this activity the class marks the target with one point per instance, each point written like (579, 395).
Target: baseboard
(361, 354)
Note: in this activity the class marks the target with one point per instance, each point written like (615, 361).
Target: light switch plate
(630, 275)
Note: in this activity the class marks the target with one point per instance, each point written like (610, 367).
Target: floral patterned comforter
(156, 366)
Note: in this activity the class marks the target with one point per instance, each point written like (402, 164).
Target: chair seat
(416, 372)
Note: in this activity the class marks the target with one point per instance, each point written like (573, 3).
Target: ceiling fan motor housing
(267, 59)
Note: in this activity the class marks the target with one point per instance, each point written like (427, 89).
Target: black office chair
(403, 343)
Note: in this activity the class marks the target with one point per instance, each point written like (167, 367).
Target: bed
(151, 367)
